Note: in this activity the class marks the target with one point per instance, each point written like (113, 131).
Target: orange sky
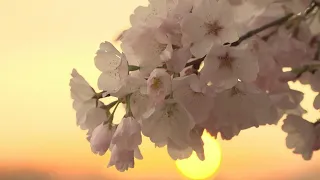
(41, 41)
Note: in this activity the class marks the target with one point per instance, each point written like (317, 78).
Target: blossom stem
(110, 119)
(128, 107)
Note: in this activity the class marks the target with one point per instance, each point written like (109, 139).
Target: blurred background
(40, 42)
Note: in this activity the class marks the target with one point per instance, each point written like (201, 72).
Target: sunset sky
(41, 41)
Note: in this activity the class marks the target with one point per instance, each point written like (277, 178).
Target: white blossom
(208, 24)
(162, 121)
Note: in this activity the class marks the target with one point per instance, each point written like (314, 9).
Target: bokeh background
(40, 42)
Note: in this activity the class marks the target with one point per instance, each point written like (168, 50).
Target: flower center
(156, 83)
(226, 61)
(214, 28)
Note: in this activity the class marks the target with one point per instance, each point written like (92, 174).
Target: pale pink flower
(159, 84)
(128, 134)
(223, 66)
(80, 89)
(94, 117)
(162, 121)
(123, 159)
(208, 24)
(239, 108)
(263, 52)
(146, 47)
(139, 104)
(193, 95)
(292, 50)
(176, 152)
(179, 59)
(113, 65)
(151, 15)
(129, 84)
(288, 101)
(89, 114)
(301, 136)
(100, 138)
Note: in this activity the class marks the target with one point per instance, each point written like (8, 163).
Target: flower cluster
(188, 65)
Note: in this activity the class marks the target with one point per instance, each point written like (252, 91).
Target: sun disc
(196, 169)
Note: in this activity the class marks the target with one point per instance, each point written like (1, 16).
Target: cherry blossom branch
(196, 63)
(262, 28)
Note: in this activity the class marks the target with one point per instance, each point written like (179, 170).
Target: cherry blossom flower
(288, 102)
(93, 117)
(225, 65)
(144, 47)
(242, 107)
(195, 144)
(139, 103)
(208, 25)
(151, 15)
(128, 134)
(113, 65)
(123, 159)
(292, 51)
(80, 89)
(301, 136)
(189, 91)
(162, 121)
(159, 84)
(101, 137)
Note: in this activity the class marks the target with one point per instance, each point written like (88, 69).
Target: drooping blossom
(101, 137)
(123, 159)
(128, 134)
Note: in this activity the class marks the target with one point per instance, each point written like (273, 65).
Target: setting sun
(196, 169)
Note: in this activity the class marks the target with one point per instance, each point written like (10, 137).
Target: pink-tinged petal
(139, 104)
(166, 55)
(200, 48)
(94, 117)
(246, 67)
(193, 27)
(128, 134)
(316, 102)
(121, 159)
(108, 47)
(101, 138)
(179, 59)
(178, 153)
(109, 81)
(107, 61)
(137, 154)
(80, 89)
